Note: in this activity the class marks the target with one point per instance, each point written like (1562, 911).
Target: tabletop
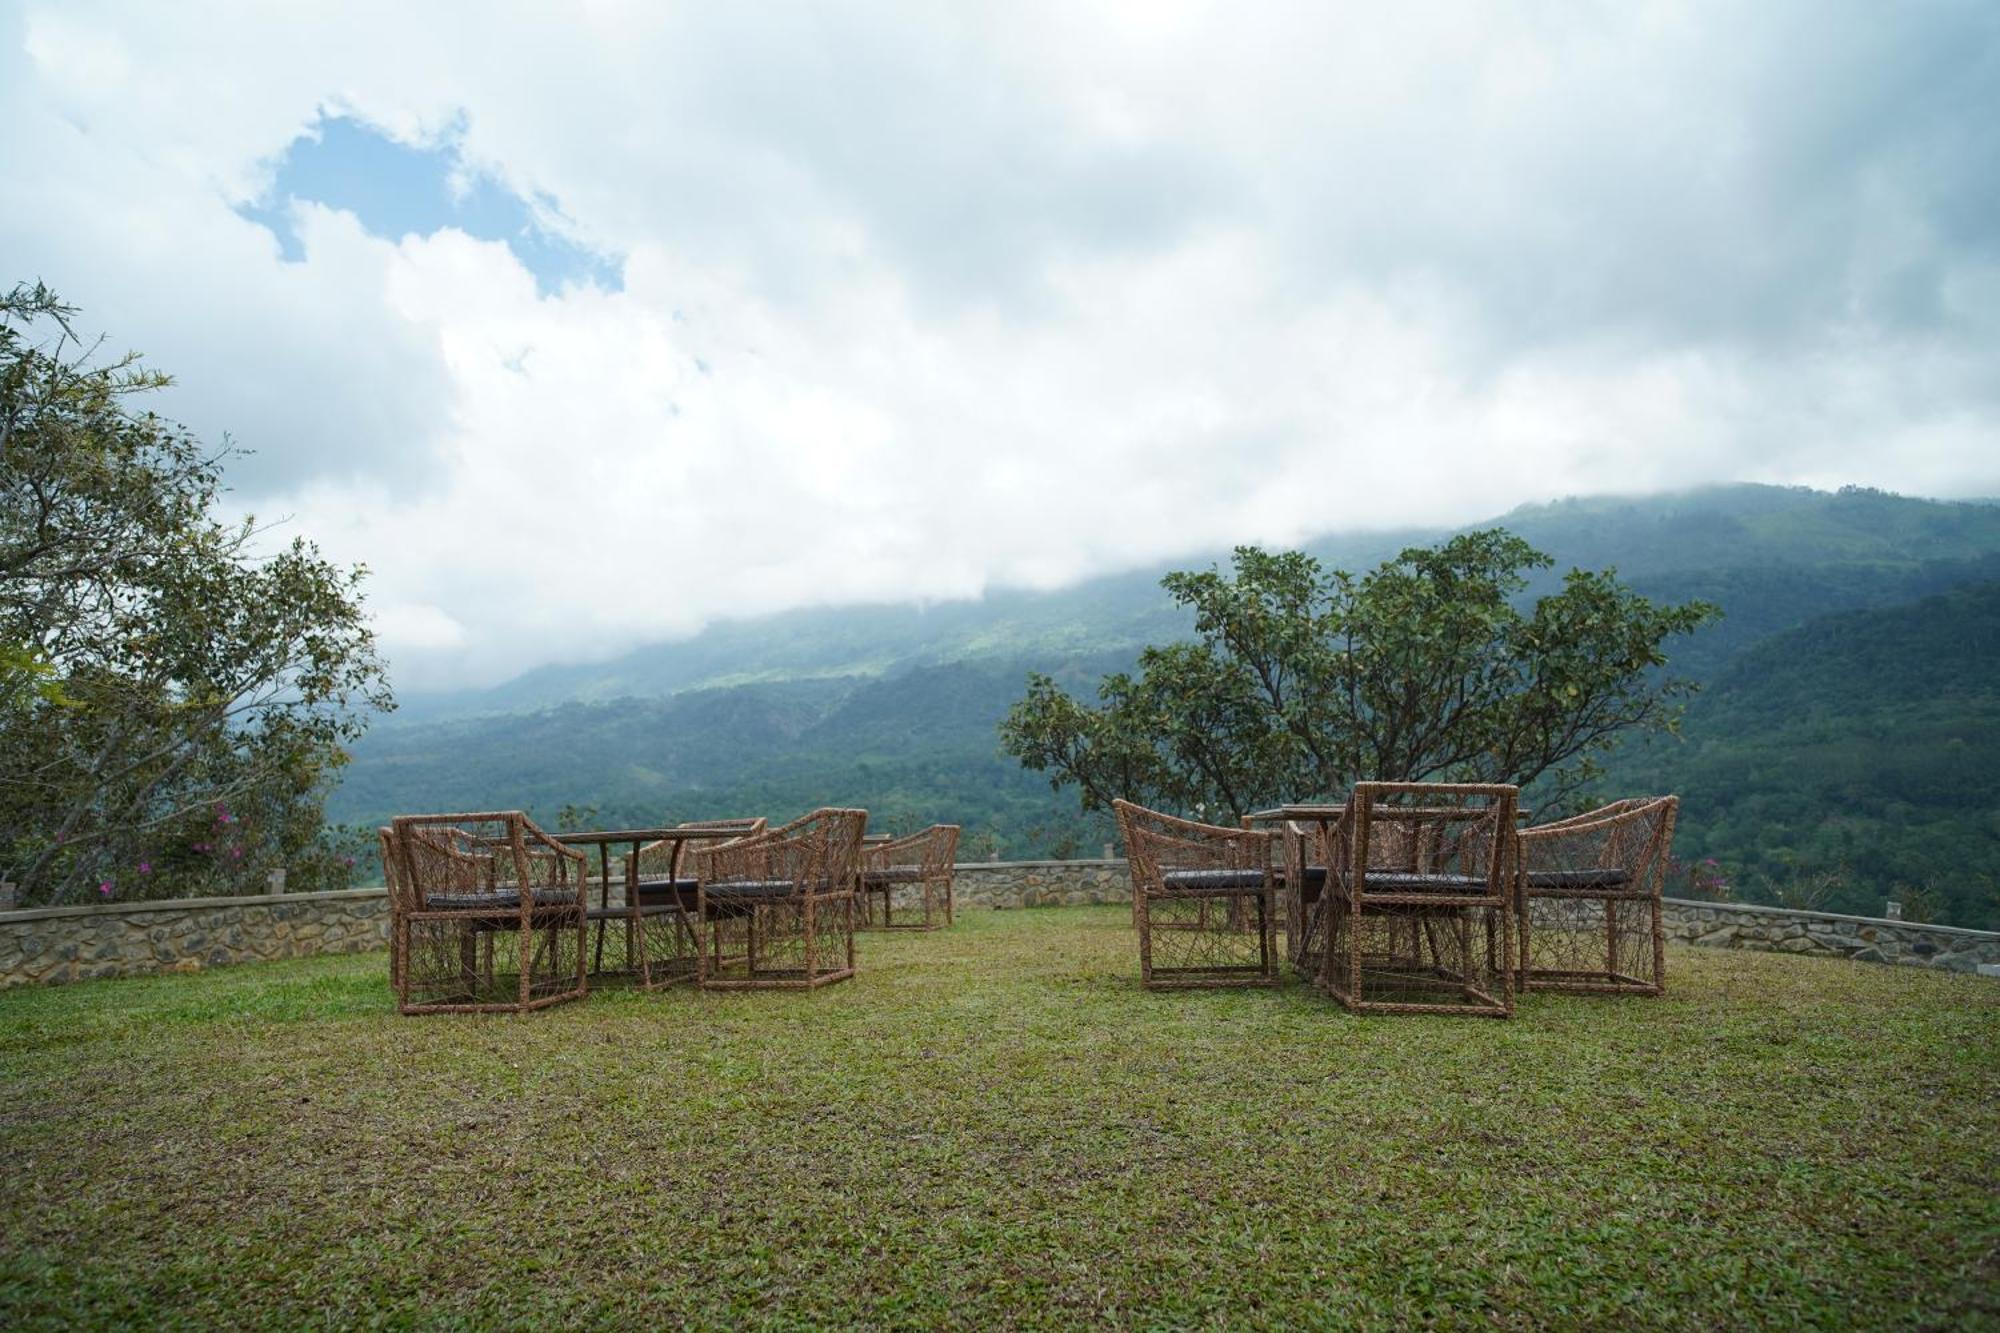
(1324, 813)
(604, 837)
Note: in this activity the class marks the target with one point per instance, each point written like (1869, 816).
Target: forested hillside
(1850, 760)
(915, 746)
(1836, 753)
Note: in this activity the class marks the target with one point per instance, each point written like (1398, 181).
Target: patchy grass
(995, 1125)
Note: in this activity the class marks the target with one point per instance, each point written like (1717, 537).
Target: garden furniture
(385, 838)
(778, 908)
(490, 915)
(1414, 917)
(651, 926)
(663, 927)
(1588, 909)
(1205, 900)
(920, 864)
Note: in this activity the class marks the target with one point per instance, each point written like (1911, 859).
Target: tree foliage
(173, 697)
(1301, 681)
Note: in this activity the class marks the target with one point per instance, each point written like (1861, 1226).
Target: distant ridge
(1874, 541)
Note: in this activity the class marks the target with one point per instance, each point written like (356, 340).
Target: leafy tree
(1302, 681)
(172, 701)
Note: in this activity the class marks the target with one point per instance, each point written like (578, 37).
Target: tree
(173, 700)
(1301, 682)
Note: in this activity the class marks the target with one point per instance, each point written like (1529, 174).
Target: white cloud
(919, 301)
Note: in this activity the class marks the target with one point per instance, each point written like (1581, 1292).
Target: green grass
(996, 1126)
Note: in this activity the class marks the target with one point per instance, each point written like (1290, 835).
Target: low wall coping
(27, 914)
(1895, 923)
(186, 904)
(1092, 863)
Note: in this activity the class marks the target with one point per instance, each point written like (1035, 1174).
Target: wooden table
(1413, 890)
(605, 839)
(1301, 898)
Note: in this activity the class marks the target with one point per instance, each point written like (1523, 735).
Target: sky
(584, 326)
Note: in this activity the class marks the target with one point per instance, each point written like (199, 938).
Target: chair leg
(1144, 920)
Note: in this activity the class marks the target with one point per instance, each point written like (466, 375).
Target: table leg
(603, 900)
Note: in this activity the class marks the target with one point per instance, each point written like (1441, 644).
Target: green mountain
(914, 746)
(1852, 759)
(1774, 556)
(894, 707)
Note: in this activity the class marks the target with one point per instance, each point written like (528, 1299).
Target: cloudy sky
(584, 329)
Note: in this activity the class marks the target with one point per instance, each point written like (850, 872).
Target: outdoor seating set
(489, 913)
(1407, 898)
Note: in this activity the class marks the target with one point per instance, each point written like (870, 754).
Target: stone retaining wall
(1864, 939)
(55, 944)
(1041, 883)
(52, 944)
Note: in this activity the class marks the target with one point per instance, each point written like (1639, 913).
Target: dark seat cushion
(1601, 877)
(752, 888)
(667, 888)
(892, 875)
(501, 899)
(1211, 881)
(1405, 881)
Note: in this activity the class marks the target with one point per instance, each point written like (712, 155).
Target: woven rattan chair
(1303, 857)
(660, 915)
(1588, 905)
(918, 869)
(392, 881)
(1419, 887)
(779, 907)
(1205, 898)
(494, 916)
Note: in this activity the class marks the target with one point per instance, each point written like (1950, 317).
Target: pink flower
(236, 853)
(145, 867)
(105, 888)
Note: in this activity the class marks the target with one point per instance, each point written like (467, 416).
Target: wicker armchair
(919, 867)
(1588, 903)
(660, 914)
(1303, 857)
(1414, 918)
(1205, 898)
(779, 907)
(492, 918)
(393, 882)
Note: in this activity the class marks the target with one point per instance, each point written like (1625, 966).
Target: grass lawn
(995, 1125)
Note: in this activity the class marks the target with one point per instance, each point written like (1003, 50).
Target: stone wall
(54, 944)
(1041, 883)
(51, 944)
(1863, 939)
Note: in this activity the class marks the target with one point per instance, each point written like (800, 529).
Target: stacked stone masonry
(140, 939)
(1863, 939)
(185, 935)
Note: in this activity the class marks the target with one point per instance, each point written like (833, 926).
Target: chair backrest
(749, 826)
(817, 852)
(667, 856)
(1157, 843)
(931, 853)
(1634, 836)
(481, 852)
(392, 870)
(1426, 837)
